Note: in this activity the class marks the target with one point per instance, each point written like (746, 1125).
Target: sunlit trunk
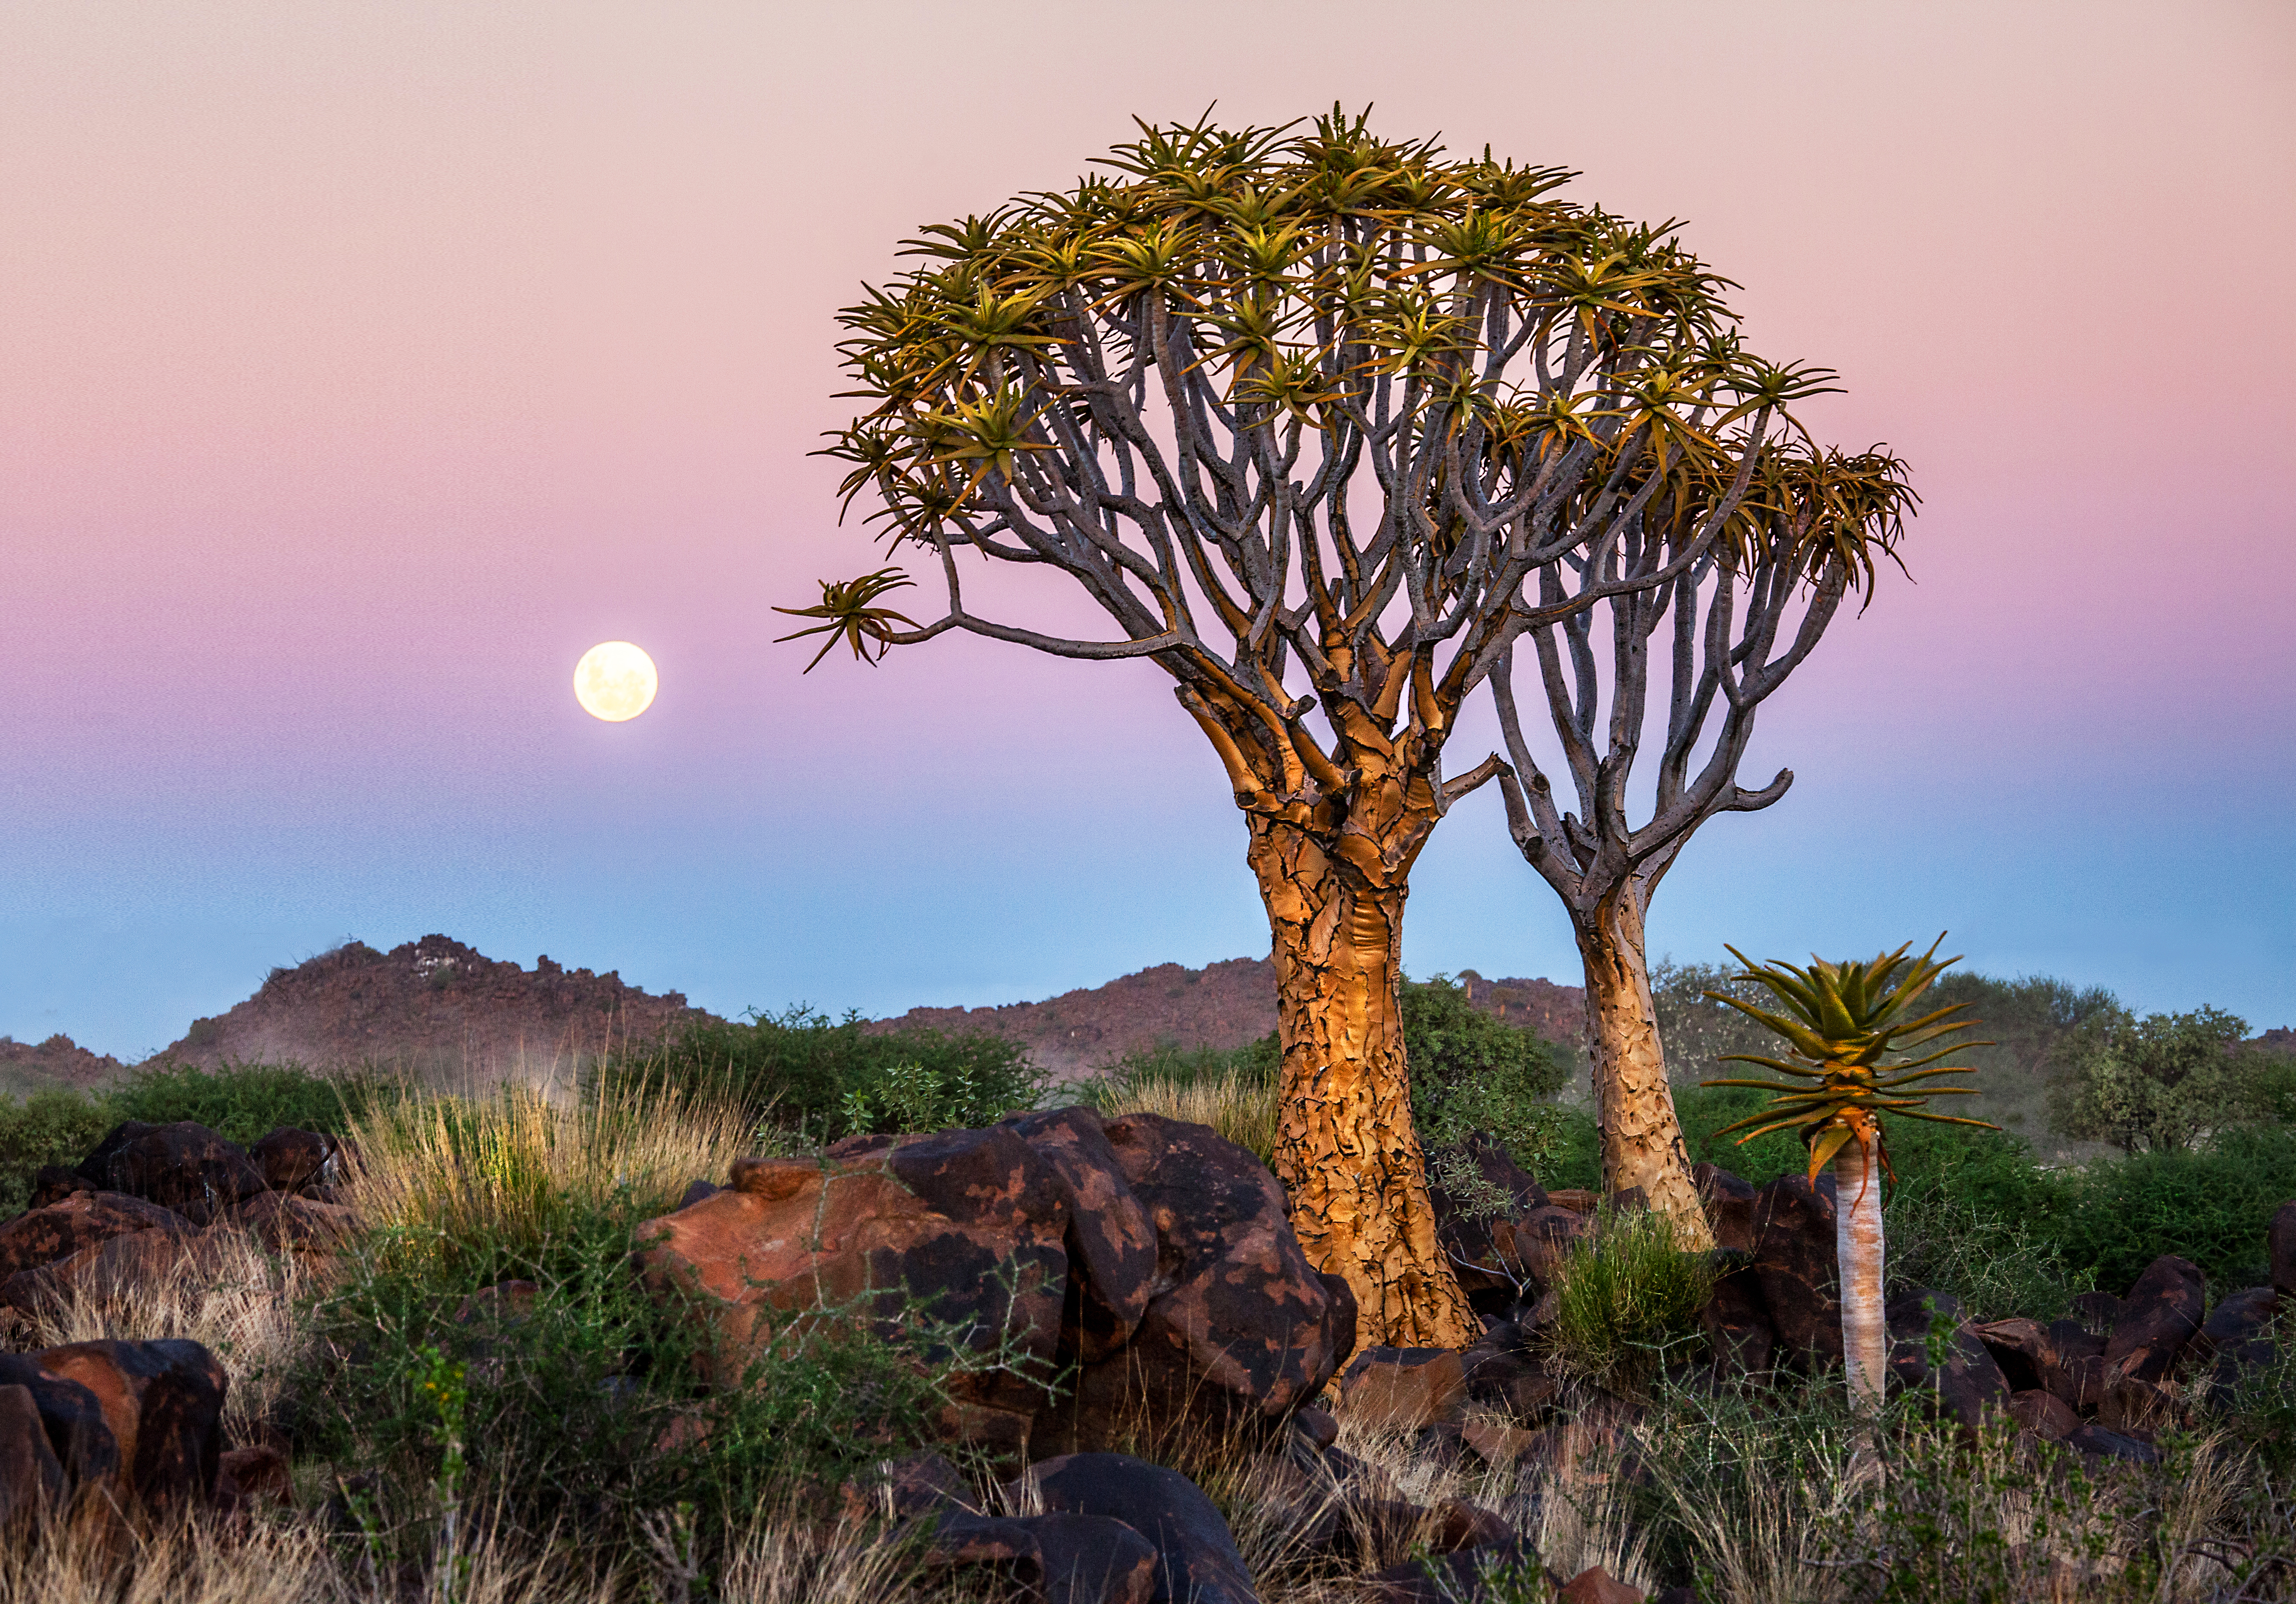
(1346, 1150)
(1642, 1139)
(1857, 1249)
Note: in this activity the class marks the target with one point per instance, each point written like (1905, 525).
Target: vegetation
(2158, 1084)
(818, 1078)
(1626, 1302)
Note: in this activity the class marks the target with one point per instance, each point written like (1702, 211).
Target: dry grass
(231, 1295)
(508, 1163)
(1241, 1107)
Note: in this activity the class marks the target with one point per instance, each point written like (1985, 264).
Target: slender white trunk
(1857, 1249)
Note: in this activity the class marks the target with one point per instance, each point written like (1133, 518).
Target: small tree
(1845, 1024)
(2156, 1084)
(1319, 421)
(1739, 616)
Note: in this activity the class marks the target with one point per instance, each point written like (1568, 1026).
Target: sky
(361, 366)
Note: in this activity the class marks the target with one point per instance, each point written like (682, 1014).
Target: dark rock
(1460, 1525)
(1093, 1560)
(1477, 1231)
(1112, 1241)
(1404, 1389)
(78, 1435)
(119, 1265)
(2098, 1312)
(53, 1183)
(2096, 1441)
(2280, 1245)
(2022, 1348)
(1197, 1561)
(1506, 1379)
(2236, 1336)
(1970, 1385)
(699, 1191)
(31, 1481)
(2139, 1409)
(2044, 1414)
(163, 1402)
(245, 1475)
(1729, 1205)
(79, 1220)
(1737, 1324)
(1318, 1426)
(1794, 1265)
(284, 1221)
(1242, 1330)
(184, 1166)
(291, 1159)
(2161, 1315)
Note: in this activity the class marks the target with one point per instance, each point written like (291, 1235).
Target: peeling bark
(1346, 1150)
(1641, 1137)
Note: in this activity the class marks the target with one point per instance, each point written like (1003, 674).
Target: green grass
(1626, 1299)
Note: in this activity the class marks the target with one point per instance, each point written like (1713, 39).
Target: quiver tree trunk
(1346, 1150)
(1857, 1250)
(1641, 1137)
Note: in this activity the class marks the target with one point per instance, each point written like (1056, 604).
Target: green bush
(824, 1078)
(1471, 1070)
(2156, 1084)
(2212, 1206)
(243, 1102)
(58, 1126)
(1627, 1301)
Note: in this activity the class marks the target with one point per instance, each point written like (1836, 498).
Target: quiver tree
(1310, 416)
(1848, 1027)
(1729, 617)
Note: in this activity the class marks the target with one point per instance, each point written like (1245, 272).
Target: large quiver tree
(1729, 625)
(1303, 413)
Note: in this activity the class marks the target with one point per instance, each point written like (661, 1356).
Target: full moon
(615, 681)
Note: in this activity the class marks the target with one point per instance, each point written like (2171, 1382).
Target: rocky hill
(1222, 1005)
(431, 1006)
(59, 1061)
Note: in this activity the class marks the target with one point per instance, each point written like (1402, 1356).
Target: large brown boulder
(163, 1402)
(1970, 1385)
(2161, 1315)
(184, 1166)
(968, 1224)
(31, 1481)
(42, 1235)
(79, 1436)
(2237, 1336)
(290, 1159)
(1729, 1202)
(1112, 1241)
(1794, 1263)
(1196, 1557)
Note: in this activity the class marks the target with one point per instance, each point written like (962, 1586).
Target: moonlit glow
(615, 681)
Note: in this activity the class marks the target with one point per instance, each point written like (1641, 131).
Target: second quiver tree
(1848, 1027)
(1725, 563)
(1320, 422)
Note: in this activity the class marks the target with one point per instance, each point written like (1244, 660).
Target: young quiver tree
(1846, 1027)
(1305, 415)
(1729, 619)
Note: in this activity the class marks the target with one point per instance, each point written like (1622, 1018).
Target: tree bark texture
(1857, 1249)
(1641, 1137)
(1346, 1149)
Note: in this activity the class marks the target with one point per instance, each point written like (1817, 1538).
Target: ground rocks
(1151, 1257)
(30, 1478)
(42, 1236)
(2236, 1336)
(1404, 1389)
(184, 1166)
(1196, 1558)
(144, 1419)
(2161, 1313)
(290, 1159)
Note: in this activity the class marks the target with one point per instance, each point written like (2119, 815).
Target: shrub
(2154, 1084)
(2211, 1206)
(244, 1102)
(1237, 1105)
(824, 1078)
(1471, 1071)
(1627, 1301)
(57, 1126)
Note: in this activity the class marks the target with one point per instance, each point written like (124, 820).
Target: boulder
(1793, 1263)
(1970, 1385)
(1112, 1242)
(1737, 1324)
(290, 1159)
(1196, 1558)
(2022, 1348)
(1542, 1241)
(967, 1223)
(245, 1475)
(31, 1480)
(117, 1266)
(1729, 1205)
(79, 1220)
(2161, 1313)
(1595, 1585)
(1057, 1559)
(2280, 1245)
(2236, 1336)
(2096, 1441)
(1476, 1228)
(79, 1436)
(1242, 1330)
(184, 1166)
(2044, 1414)
(283, 1222)
(163, 1403)
(1403, 1389)
(53, 1183)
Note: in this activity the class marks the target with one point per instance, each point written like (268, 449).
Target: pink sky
(359, 367)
